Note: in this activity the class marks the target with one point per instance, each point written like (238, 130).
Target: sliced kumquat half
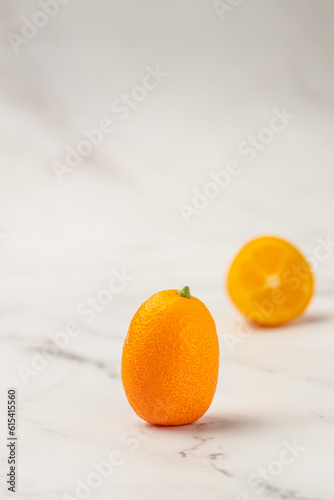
(270, 281)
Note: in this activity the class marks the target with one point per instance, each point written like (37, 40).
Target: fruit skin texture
(170, 359)
(270, 281)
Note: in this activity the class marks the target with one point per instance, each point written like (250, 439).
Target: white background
(120, 206)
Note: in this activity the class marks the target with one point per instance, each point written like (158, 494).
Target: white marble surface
(276, 386)
(61, 242)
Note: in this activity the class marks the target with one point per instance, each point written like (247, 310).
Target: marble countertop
(267, 435)
(118, 213)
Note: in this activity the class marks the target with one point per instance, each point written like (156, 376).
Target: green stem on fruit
(185, 292)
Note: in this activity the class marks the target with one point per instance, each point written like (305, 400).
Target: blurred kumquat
(270, 281)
